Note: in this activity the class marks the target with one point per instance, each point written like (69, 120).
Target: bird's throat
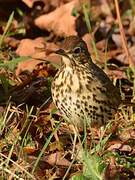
(67, 60)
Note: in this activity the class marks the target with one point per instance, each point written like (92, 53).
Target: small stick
(123, 38)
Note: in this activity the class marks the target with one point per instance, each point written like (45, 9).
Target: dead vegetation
(35, 142)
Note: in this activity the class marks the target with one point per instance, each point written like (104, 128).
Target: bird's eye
(77, 50)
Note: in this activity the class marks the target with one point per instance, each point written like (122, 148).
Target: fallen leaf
(56, 146)
(88, 39)
(117, 39)
(28, 47)
(29, 3)
(29, 150)
(38, 50)
(131, 29)
(27, 65)
(122, 57)
(60, 21)
(11, 42)
(56, 59)
(116, 74)
(127, 134)
(105, 8)
(56, 159)
(115, 146)
(120, 147)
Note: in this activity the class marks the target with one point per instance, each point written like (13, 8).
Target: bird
(81, 90)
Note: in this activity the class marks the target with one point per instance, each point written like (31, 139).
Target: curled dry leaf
(60, 21)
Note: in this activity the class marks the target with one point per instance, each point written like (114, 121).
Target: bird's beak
(64, 57)
(61, 52)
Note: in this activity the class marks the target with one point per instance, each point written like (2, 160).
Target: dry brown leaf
(38, 50)
(127, 134)
(29, 3)
(48, 4)
(29, 150)
(26, 65)
(11, 42)
(60, 21)
(56, 146)
(131, 29)
(56, 159)
(54, 58)
(122, 57)
(105, 8)
(121, 147)
(117, 39)
(28, 47)
(88, 39)
(116, 74)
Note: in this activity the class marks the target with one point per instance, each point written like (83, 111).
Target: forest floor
(35, 141)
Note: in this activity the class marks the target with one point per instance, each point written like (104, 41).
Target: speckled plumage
(81, 90)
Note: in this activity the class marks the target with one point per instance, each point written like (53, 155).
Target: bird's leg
(75, 130)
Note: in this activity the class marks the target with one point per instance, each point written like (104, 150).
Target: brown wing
(106, 86)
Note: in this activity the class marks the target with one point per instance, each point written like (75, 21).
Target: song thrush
(80, 89)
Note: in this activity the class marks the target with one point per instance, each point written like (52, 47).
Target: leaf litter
(28, 118)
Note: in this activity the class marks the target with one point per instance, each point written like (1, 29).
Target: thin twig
(122, 33)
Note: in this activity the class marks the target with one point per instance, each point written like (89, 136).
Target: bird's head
(74, 50)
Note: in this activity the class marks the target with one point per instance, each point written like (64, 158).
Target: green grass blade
(44, 147)
(85, 7)
(11, 65)
(7, 28)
